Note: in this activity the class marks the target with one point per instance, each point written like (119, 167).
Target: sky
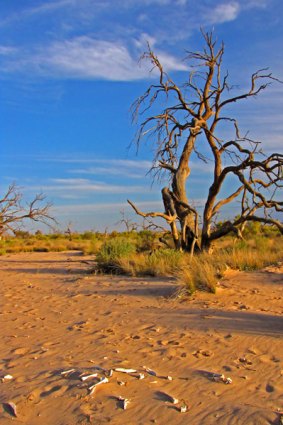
(70, 71)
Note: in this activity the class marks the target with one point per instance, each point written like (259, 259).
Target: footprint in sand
(58, 389)
(34, 397)
(20, 351)
(267, 359)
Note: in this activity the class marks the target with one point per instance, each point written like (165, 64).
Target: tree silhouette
(13, 212)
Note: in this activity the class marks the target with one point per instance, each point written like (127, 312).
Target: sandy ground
(55, 316)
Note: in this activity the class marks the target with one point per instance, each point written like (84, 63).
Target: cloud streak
(111, 171)
(110, 53)
(109, 162)
(82, 187)
(86, 58)
(116, 206)
(116, 167)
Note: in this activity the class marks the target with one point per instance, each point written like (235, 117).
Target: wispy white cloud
(70, 181)
(165, 2)
(110, 206)
(251, 4)
(47, 7)
(227, 11)
(137, 170)
(51, 6)
(130, 172)
(30, 12)
(86, 58)
(82, 187)
(86, 208)
(224, 12)
(142, 165)
(109, 163)
(7, 50)
(112, 52)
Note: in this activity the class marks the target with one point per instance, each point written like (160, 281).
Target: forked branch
(169, 218)
(13, 212)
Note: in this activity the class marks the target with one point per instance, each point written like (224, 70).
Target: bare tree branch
(13, 212)
(166, 217)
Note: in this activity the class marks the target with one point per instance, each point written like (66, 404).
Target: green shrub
(88, 236)
(146, 240)
(111, 251)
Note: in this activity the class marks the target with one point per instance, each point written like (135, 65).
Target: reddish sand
(55, 316)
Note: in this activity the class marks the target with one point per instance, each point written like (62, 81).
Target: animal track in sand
(20, 351)
(58, 389)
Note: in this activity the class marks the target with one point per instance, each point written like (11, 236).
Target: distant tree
(189, 123)
(69, 231)
(129, 224)
(13, 212)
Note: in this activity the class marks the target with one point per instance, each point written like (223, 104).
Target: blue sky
(70, 70)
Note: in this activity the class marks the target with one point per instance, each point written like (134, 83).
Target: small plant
(112, 251)
(187, 284)
(201, 273)
(163, 262)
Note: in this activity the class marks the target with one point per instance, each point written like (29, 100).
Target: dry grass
(204, 271)
(164, 262)
(130, 253)
(253, 254)
(50, 243)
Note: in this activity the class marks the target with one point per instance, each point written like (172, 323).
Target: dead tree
(13, 213)
(191, 123)
(129, 224)
(69, 231)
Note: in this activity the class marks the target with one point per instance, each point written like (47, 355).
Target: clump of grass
(186, 281)
(164, 262)
(202, 273)
(111, 252)
(206, 275)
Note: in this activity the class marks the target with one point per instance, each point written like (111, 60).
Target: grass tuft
(111, 252)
